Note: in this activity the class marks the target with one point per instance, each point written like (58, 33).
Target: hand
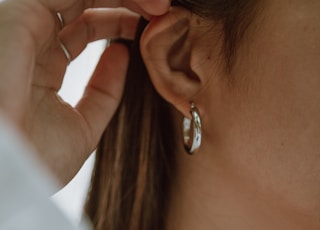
(32, 66)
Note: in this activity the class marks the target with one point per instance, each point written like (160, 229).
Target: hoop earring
(192, 131)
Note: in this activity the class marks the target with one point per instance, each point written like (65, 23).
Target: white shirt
(26, 187)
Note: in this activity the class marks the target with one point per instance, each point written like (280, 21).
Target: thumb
(104, 90)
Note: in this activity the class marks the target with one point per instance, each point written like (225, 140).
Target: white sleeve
(25, 187)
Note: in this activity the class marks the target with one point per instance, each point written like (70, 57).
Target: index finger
(71, 9)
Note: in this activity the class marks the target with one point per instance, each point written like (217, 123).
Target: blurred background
(71, 198)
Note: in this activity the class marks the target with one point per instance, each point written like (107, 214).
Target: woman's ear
(175, 48)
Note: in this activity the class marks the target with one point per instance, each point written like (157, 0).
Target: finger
(71, 9)
(70, 14)
(104, 91)
(154, 7)
(98, 24)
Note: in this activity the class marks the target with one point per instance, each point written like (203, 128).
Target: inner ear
(171, 50)
(179, 57)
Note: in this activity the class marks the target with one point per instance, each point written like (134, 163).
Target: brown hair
(135, 159)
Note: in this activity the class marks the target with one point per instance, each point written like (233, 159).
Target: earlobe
(169, 50)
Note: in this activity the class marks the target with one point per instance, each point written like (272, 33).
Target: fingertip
(154, 8)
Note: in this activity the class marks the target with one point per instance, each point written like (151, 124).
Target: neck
(208, 193)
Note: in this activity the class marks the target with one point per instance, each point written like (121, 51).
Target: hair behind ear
(135, 158)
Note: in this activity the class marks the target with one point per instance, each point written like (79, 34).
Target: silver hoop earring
(192, 131)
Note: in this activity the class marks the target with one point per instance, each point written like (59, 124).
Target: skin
(32, 66)
(258, 166)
